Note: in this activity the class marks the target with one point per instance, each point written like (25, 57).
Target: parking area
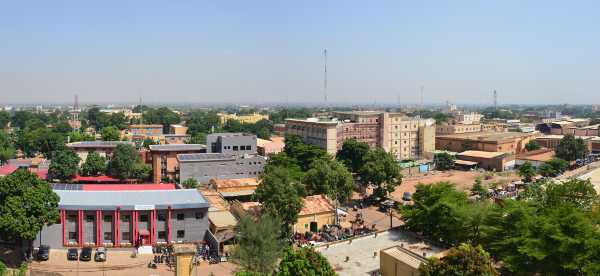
(119, 263)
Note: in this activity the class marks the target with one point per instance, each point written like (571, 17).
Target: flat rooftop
(98, 144)
(323, 121)
(131, 199)
(203, 157)
(541, 155)
(488, 136)
(481, 154)
(177, 147)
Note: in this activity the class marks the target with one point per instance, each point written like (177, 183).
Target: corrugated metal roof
(222, 219)
(97, 144)
(131, 200)
(196, 157)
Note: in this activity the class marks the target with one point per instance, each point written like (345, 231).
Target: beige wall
(390, 266)
(323, 135)
(303, 224)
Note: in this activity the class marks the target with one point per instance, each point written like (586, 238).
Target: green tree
(382, 171)
(479, 189)
(110, 133)
(148, 142)
(570, 148)
(532, 145)
(4, 120)
(47, 141)
(64, 165)
(2, 269)
(466, 259)
(163, 116)
(283, 161)
(553, 167)
(7, 150)
(63, 127)
(329, 177)
(352, 154)
(26, 204)
(77, 136)
(305, 154)
(233, 125)
(198, 138)
(20, 117)
(118, 120)
(258, 244)
(94, 165)
(190, 183)
(124, 163)
(443, 161)
(280, 195)
(304, 261)
(527, 171)
(205, 122)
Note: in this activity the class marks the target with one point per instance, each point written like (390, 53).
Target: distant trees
(110, 133)
(527, 171)
(570, 148)
(382, 171)
(64, 165)
(352, 154)
(7, 149)
(553, 167)
(259, 245)
(262, 129)
(4, 120)
(198, 138)
(443, 161)
(163, 116)
(99, 120)
(532, 145)
(190, 183)
(94, 165)
(466, 259)
(305, 154)
(202, 122)
(27, 203)
(304, 261)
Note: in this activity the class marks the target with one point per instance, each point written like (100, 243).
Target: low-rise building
(493, 161)
(234, 188)
(231, 143)
(122, 218)
(551, 141)
(511, 142)
(248, 118)
(178, 129)
(103, 148)
(206, 166)
(535, 157)
(399, 261)
(164, 159)
(269, 147)
(317, 210)
(146, 130)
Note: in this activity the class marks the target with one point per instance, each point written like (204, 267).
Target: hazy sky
(270, 51)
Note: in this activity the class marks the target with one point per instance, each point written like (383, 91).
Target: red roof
(97, 179)
(41, 173)
(7, 169)
(126, 187)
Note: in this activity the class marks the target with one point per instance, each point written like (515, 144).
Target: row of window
(126, 235)
(236, 148)
(127, 218)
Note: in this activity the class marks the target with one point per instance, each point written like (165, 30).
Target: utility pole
(495, 100)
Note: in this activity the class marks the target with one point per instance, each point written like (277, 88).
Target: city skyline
(239, 52)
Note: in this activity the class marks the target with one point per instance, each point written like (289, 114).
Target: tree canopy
(331, 178)
(466, 259)
(444, 161)
(532, 145)
(553, 167)
(280, 195)
(64, 165)
(110, 133)
(127, 163)
(570, 148)
(305, 154)
(527, 171)
(190, 183)
(259, 244)
(94, 165)
(304, 261)
(382, 171)
(352, 154)
(163, 116)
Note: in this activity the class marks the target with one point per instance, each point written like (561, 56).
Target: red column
(135, 226)
(80, 224)
(99, 234)
(116, 231)
(169, 215)
(63, 220)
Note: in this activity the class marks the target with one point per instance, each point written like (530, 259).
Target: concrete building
(164, 159)
(206, 166)
(269, 147)
(510, 142)
(399, 261)
(551, 141)
(146, 130)
(536, 157)
(493, 161)
(127, 218)
(103, 148)
(404, 137)
(446, 129)
(316, 211)
(178, 129)
(249, 118)
(234, 188)
(231, 143)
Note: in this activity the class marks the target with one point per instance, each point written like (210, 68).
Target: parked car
(407, 196)
(100, 254)
(86, 254)
(72, 254)
(43, 253)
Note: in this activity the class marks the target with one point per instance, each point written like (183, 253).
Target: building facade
(231, 143)
(127, 218)
(164, 159)
(103, 148)
(248, 119)
(512, 142)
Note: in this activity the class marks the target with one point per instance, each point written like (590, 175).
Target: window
(107, 218)
(72, 218)
(248, 147)
(180, 234)
(180, 216)
(161, 217)
(125, 218)
(125, 236)
(144, 218)
(199, 215)
(72, 235)
(235, 148)
(162, 235)
(89, 218)
(108, 236)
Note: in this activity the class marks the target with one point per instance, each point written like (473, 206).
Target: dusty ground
(463, 179)
(119, 263)
(372, 216)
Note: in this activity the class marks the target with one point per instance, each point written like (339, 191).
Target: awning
(465, 162)
(144, 232)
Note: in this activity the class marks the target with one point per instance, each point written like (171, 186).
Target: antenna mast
(495, 100)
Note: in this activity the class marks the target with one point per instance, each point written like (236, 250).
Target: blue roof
(131, 200)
